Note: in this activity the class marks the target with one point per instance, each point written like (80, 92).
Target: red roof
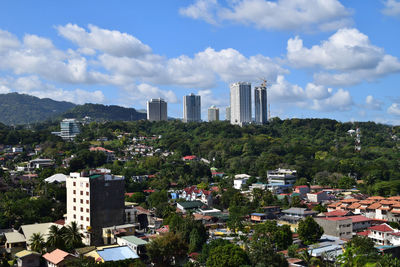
(149, 191)
(301, 186)
(336, 213)
(396, 234)
(189, 157)
(129, 194)
(60, 222)
(365, 233)
(102, 149)
(163, 229)
(56, 256)
(359, 218)
(381, 228)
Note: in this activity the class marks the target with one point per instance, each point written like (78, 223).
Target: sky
(321, 58)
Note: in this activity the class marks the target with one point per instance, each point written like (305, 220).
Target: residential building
(191, 108)
(56, 178)
(260, 104)
(302, 190)
(29, 229)
(228, 113)
(282, 176)
(39, 164)
(157, 110)
(26, 258)
(57, 258)
(134, 243)
(341, 227)
(116, 253)
(109, 153)
(186, 206)
(381, 234)
(213, 113)
(240, 103)
(95, 201)
(15, 242)
(240, 181)
(294, 215)
(258, 217)
(17, 149)
(318, 196)
(69, 129)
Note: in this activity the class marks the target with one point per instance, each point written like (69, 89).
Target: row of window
(74, 200)
(82, 184)
(87, 218)
(74, 192)
(87, 210)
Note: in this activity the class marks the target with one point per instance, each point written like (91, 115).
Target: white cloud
(7, 41)
(372, 103)
(317, 91)
(394, 109)
(201, 9)
(346, 58)
(143, 92)
(310, 15)
(392, 8)
(111, 42)
(283, 91)
(339, 101)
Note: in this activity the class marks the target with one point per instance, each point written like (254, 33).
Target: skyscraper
(213, 113)
(157, 110)
(260, 104)
(228, 113)
(191, 108)
(240, 103)
(69, 129)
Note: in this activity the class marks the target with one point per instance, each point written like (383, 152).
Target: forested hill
(23, 109)
(98, 112)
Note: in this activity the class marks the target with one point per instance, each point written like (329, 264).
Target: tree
(229, 255)
(167, 250)
(278, 236)
(55, 237)
(37, 242)
(72, 236)
(205, 252)
(309, 231)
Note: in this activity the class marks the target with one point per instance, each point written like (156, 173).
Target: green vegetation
(309, 231)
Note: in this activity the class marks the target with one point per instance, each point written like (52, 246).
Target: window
(74, 208)
(87, 201)
(81, 201)
(87, 193)
(81, 209)
(87, 184)
(74, 192)
(74, 199)
(81, 218)
(74, 183)
(74, 216)
(87, 218)
(87, 210)
(81, 193)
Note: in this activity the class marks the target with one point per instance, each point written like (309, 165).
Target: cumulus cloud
(339, 101)
(346, 58)
(285, 92)
(372, 103)
(394, 109)
(317, 91)
(322, 15)
(143, 92)
(392, 8)
(111, 42)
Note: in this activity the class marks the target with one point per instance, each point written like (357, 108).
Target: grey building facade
(192, 108)
(240, 103)
(260, 105)
(157, 110)
(213, 113)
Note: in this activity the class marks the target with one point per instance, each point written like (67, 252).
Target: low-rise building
(336, 226)
(294, 215)
(186, 206)
(15, 242)
(317, 197)
(258, 217)
(26, 258)
(57, 258)
(282, 176)
(381, 234)
(136, 244)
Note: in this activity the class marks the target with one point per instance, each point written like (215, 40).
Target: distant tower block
(191, 108)
(240, 103)
(157, 110)
(228, 113)
(213, 113)
(260, 104)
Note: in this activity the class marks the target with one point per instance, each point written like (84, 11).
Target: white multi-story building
(240, 103)
(94, 202)
(282, 176)
(228, 113)
(191, 108)
(213, 113)
(157, 110)
(260, 105)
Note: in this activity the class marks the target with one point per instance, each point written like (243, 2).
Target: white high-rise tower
(213, 113)
(240, 103)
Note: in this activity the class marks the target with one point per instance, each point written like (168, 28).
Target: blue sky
(322, 58)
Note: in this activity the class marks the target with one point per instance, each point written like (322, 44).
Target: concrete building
(240, 103)
(260, 104)
(157, 110)
(282, 176)
(69, 129)
(318, 196)
(341, 227)
(191, 108)
(213, 113)
(95, 201)
(228, 113)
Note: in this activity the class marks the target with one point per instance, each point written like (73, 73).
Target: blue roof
(258, 214)
(117, 254)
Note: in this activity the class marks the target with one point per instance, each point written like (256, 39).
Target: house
(56, 178)
(302, 190)
(294, 215)
(109, 153)
(26, 258)
(17, 149)
(336, 226)
(186, 206)
(282, 176)
(328, 246)
(15, 242)
(39, 163)
(258, 185)
(381, 234)
(112, 253)
(240, 180)
(338, 213)
(258, 217)
(136, 244)
(57, 258)
(192, 193)
(317, 197)
(29, 229)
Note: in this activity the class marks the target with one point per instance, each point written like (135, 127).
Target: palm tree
(72, 236)
(37, 242)
(55, 237)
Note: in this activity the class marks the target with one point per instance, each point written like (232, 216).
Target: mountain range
(16, 109)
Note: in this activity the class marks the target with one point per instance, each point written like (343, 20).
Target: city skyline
(323, 58)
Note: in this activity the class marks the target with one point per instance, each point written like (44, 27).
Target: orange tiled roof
(376, 198)
(395, 211)
(56, 256)
(349, 200)
(374, 206)
(394, 198)
(354, 206)
(367, 202)
(388, 202)
(335, 204)
(397, 205)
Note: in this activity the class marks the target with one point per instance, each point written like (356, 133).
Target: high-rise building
(157, 110)
(191, 108)
(69, 129)
(240, 103)
(228, 114)
(260, 104)
(213, 113)
(95, 201)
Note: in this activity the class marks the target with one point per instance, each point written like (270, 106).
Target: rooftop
(381, 228)
(117, 254)
(134, 240)
(56, 256)
(15, 237)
